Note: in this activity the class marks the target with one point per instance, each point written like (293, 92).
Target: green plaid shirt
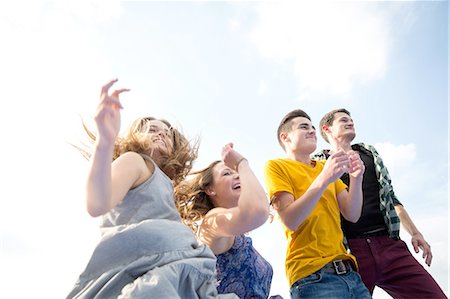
(387, 196)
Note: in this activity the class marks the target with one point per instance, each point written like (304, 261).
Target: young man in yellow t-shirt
(309, 197)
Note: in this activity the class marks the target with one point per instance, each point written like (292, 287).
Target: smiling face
(337, 126)
(161, 136)
(342, 128)
(301, 138)
(225, 189)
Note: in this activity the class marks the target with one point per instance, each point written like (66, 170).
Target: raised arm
(99, 195)
(293, 212)
(252, 208)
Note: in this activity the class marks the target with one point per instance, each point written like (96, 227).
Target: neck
(300, 157)
(156, 156)
(342, 145)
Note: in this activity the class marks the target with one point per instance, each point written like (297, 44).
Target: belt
(370, 234)
(338, 267)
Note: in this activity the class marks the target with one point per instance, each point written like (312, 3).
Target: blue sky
(224, 71)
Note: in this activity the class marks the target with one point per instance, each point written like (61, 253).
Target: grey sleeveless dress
(146, 252)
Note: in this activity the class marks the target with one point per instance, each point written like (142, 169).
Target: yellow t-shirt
(318, 240)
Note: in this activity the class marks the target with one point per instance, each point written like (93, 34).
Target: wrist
(416, 234)
(356, 179)
(236, 166)
(103, 145)
(323, 180)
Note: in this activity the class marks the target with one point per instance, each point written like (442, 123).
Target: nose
(158, 132)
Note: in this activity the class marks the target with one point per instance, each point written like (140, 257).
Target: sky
(222, 72)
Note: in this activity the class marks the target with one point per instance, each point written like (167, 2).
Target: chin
(160, 151)
(313, 147)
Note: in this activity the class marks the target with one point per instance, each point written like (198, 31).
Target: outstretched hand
(107, 116)
(230, 157)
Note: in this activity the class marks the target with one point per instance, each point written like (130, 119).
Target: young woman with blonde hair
(145, 251)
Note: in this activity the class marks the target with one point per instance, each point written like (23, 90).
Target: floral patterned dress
(243, 271)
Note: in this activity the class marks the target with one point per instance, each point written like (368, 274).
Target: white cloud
(27, 12)
(331, 45)
(234, 24)
(262, 88)
(99, 10)
(396, 156)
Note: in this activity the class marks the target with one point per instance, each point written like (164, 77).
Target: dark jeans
(388, 264)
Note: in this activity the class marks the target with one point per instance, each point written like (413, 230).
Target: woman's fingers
(107, 86)
(111, 101)
(115, 97)
(117, 92)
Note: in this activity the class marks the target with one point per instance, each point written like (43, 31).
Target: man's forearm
(405, 220)
(353, 205)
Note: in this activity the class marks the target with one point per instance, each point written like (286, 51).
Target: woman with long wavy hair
(145, 250)
(221, 204)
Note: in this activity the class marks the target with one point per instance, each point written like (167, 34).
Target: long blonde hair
(176, 166)
(191, 199)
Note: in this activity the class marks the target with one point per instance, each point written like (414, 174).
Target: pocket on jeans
(310, 279)
(305, 287)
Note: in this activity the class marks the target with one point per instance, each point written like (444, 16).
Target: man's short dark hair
(328, 119)
(285, 124)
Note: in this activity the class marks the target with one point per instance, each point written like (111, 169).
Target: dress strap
(147, 157)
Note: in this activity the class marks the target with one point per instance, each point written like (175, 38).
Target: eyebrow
(306, 124)
(160, 128)
(345, 118)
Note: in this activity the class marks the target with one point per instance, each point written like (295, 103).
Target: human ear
(325, 129)
(210, 192)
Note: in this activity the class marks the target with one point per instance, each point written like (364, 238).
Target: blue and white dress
(243, 271)
(146, 252)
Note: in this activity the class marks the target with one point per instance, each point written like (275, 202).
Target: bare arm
(294, 212)
(350, 203)
(107, 186)
(417, 239)
(253, 206)
(252, 209)
(107, 183)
